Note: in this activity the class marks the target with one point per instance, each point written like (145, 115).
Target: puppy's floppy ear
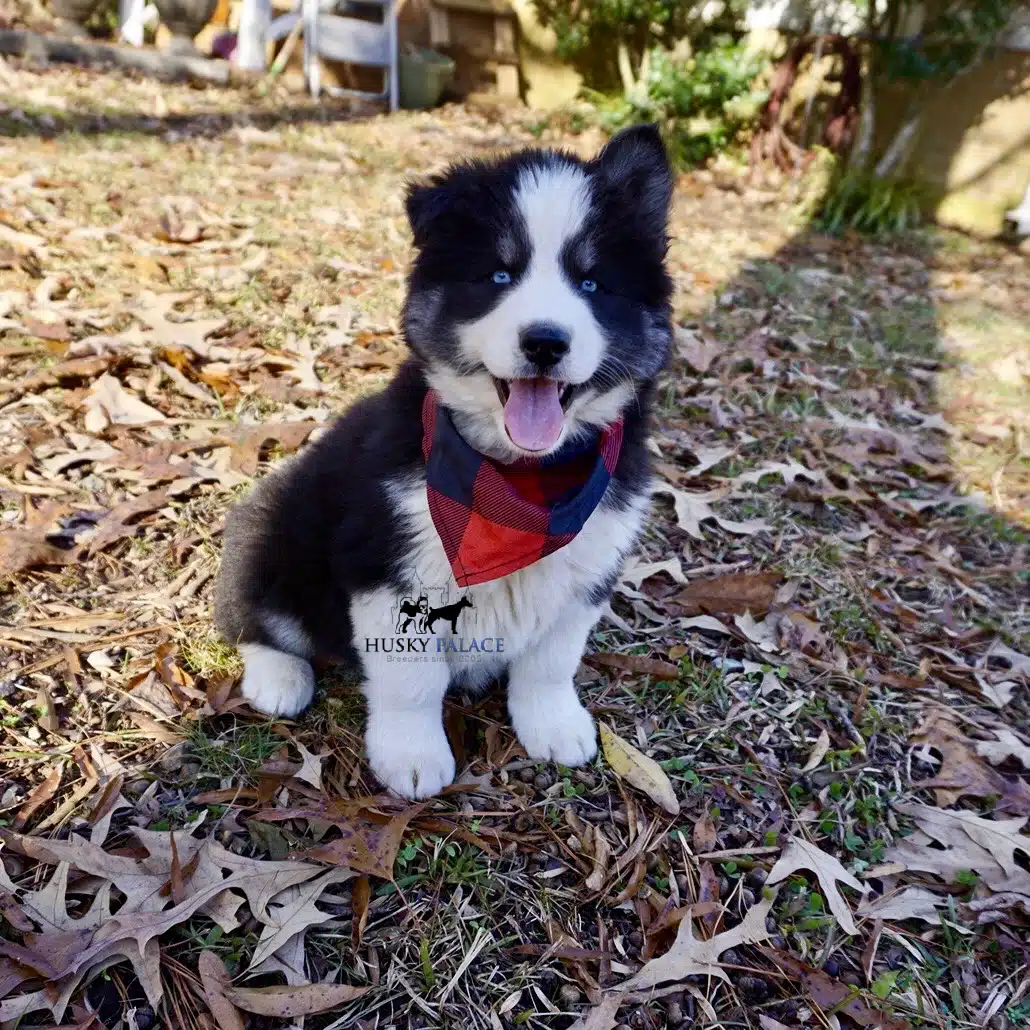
(635, 166)
(425, 203)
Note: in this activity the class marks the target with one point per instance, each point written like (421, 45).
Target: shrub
(863, 203)
(702, 102)
(636, 24)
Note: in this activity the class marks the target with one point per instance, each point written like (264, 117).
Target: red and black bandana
(495, 519)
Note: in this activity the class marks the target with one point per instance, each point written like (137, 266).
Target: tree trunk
(839, 132)
(770, 142)
(897, 153)
(626, 71)
(862, 149)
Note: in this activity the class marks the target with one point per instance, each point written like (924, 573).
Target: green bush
(862, 203)
(702, 102)
(637, 24)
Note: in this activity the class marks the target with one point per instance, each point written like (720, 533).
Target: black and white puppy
(538, 312)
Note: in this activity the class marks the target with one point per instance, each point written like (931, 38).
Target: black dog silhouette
(449, 613)
(416, 611)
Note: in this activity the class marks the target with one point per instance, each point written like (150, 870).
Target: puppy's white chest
(521, 607)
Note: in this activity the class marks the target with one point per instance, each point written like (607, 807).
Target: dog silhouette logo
(413, 611)
(449, 613)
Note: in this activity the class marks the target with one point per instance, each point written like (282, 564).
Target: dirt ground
(815, 678)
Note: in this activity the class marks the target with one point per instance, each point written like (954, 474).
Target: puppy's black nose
(544, 344)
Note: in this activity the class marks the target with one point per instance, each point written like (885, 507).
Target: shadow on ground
(51, 124)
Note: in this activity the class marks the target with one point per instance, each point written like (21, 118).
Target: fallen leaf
(1007, 745)
(57, 330)
(768, 1023)
(302, 364)
(1001, 837)
(822, 746)
(286, 1002)
(176, 888)
(11, 911)
(369, 839)
(690, 956)
(360, 897)
(600, 852)
(698, 352)
(153, 311)
(708, 893)
(733, 594)
(22, 549)
(704, 834)
(293, 911)
(214, 982)
(797, 632)
(310, 770)
(789, 470)
(999, 693)
(636, 664)
(108, 402)
(909, 903)
(56, 464)
(247, 450)
(693, 509)
(639, 571)
(763, 634)
(963, 772)
(662, 931)
(638, 770)
(799, 854)
(708, 622)
(120, 522)
(602, 1016)
(1015, 663)
(73, 370)
(269, 838)
(833, 995)
(173, 228)
(80, 946)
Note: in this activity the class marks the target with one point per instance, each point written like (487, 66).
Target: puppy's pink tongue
(532, 413)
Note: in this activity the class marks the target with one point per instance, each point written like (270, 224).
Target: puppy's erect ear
(425, 204)
(635, 166)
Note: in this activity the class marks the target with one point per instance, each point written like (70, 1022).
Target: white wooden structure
(133, 16)
(325, 35)
(1021, 215)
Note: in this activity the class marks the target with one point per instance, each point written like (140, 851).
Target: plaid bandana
(495, 519)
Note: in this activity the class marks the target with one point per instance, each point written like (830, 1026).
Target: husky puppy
(504, 464)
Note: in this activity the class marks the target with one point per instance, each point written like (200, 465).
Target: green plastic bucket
(423, 75)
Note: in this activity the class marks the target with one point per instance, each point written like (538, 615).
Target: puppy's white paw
(410, 753)
(274, 682)
(553, 726)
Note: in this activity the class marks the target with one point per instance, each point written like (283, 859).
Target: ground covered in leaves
(813, 686)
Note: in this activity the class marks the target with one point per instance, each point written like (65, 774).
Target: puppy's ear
(635, 167)
(425, 203)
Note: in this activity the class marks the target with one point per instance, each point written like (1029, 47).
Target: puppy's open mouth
(534, 410)
(566, 390)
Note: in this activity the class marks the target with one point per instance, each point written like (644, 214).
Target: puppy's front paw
(553, 726)
(274, 682)
(410, 753)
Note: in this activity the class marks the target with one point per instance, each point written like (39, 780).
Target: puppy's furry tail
(244, 542)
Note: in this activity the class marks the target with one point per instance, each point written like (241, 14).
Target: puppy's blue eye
(588, 286)
(502, 278)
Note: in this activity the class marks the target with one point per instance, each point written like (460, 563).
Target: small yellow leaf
(638, 770)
